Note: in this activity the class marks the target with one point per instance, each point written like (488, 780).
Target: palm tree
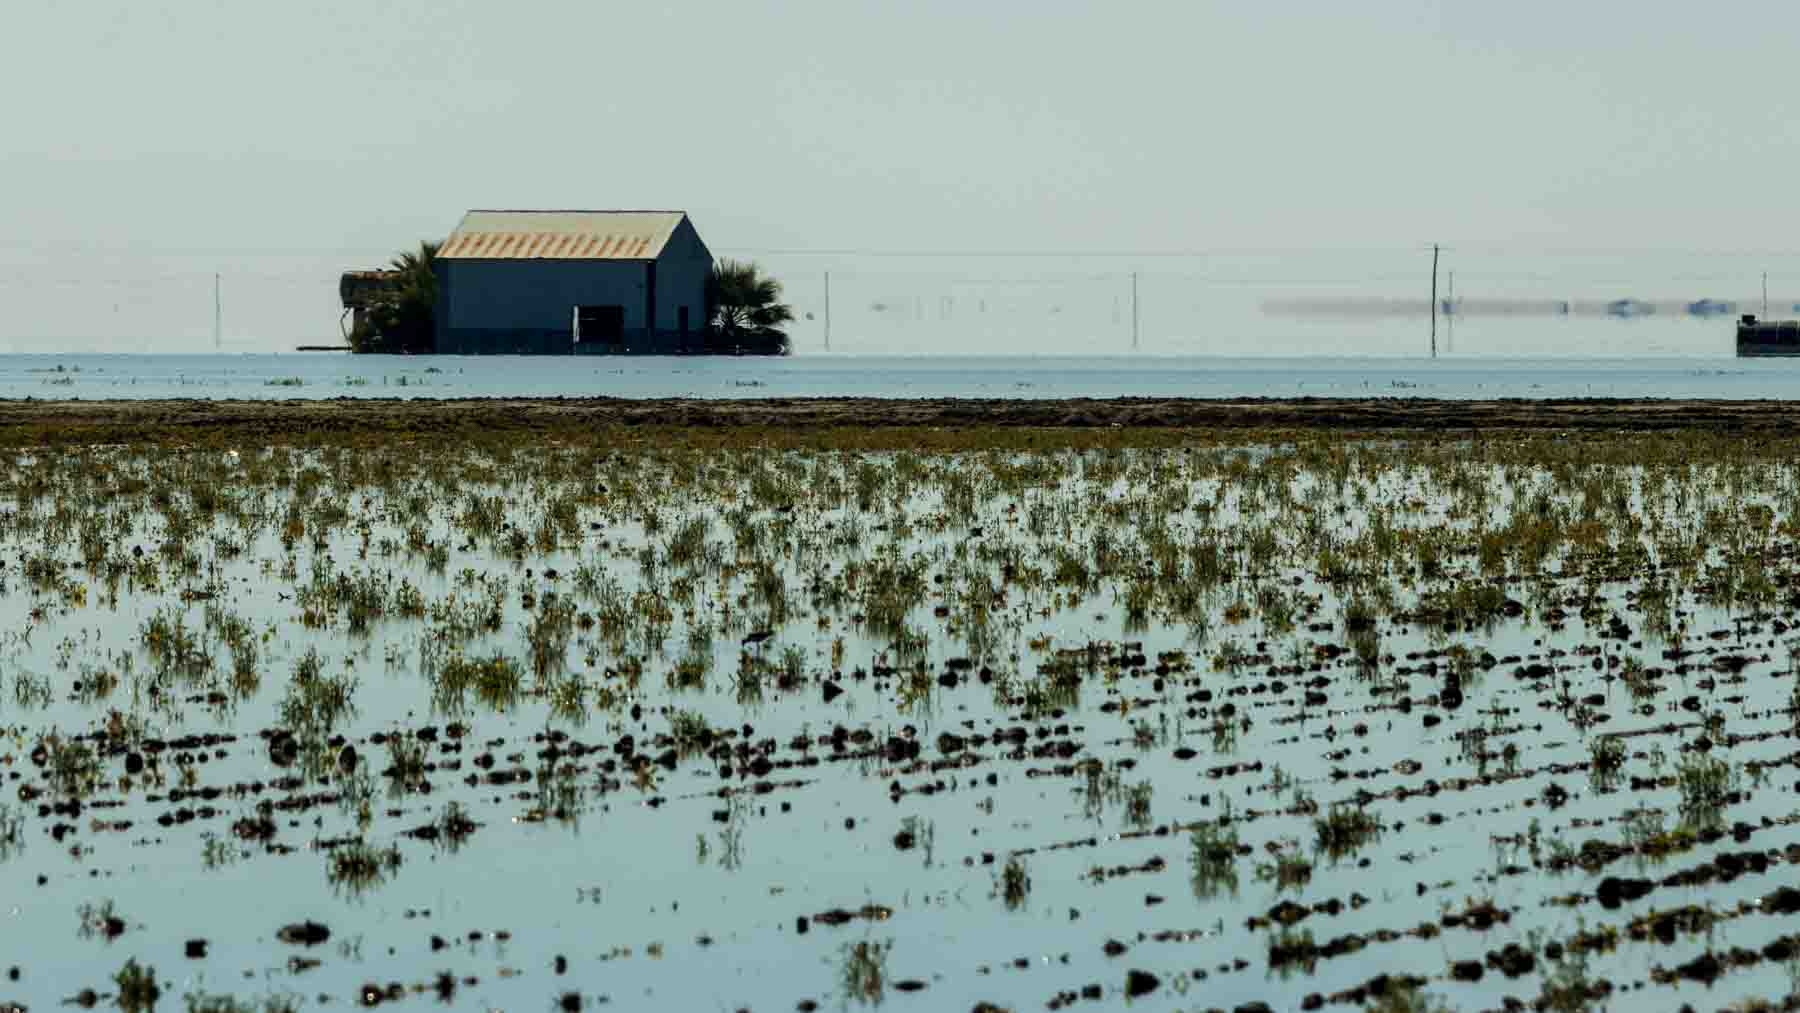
(404, 321)
(744, 309)
(416, 276)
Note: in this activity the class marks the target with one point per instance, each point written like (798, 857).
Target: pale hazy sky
(156, 133)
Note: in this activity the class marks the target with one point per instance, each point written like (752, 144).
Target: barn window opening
(604, 324)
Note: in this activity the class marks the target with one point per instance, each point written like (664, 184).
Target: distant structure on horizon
(572, 282)
(1756, 338)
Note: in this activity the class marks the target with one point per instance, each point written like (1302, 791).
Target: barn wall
(538, 293)
(681, 280)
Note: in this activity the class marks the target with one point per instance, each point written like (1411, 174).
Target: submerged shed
(571, 282)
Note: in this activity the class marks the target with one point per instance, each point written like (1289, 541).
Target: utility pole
(1134, 312)
(218, 318)
(1765, 295)
(828, 311)
(1434, 265)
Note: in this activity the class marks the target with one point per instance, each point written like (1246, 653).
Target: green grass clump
(138, 990)
(71, 766)
(316, 701)
(689, 729)
(406, 759)
(495, 680)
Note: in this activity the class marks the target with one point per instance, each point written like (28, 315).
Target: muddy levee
(512, 703)
(33, 423)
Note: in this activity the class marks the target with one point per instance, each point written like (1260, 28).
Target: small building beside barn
(571, 283)
(361, 292)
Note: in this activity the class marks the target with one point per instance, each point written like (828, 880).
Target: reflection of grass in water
(12, 832)
(355, 869)
(217, 852)
(70, 766)
(547, 636)
(1212, 858)
(731, 838)
(1407, 998)
(1224, 735)
(1705, 784)
(1102, 787)
(560, 795)
(198, 1002)
(921, 833)
(1292, 950)
(1344, 829)
(692, 667)
(1645, 834)
(1567, 985)
(1015, 883)
(1137, 805)
(747, 681)
(453, 827)
(1287, 871)
(1638, 680)
(406, 761)
(1046, 694)
(100, 920)
(356, 787)
(689, 729)
(863, 972)
(1606, 760)
(316, 702)
(32, 692)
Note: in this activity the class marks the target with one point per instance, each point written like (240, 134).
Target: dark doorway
(681, 317)
(599, 324)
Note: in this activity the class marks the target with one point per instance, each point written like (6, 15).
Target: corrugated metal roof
(561, 235)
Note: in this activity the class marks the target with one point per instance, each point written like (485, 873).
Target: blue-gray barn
(571, 282)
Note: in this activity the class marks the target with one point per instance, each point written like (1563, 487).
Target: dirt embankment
(204, 421)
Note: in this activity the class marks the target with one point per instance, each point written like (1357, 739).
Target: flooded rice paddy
(636, 723)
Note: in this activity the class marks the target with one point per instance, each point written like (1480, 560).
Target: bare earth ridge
(30, 421)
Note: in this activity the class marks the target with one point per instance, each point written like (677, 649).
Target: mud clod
(1140, 983)
(307, 933)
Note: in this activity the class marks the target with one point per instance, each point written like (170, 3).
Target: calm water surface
(329, 375)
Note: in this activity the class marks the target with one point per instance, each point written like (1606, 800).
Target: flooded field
(1049, 720)
(1631, 365)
